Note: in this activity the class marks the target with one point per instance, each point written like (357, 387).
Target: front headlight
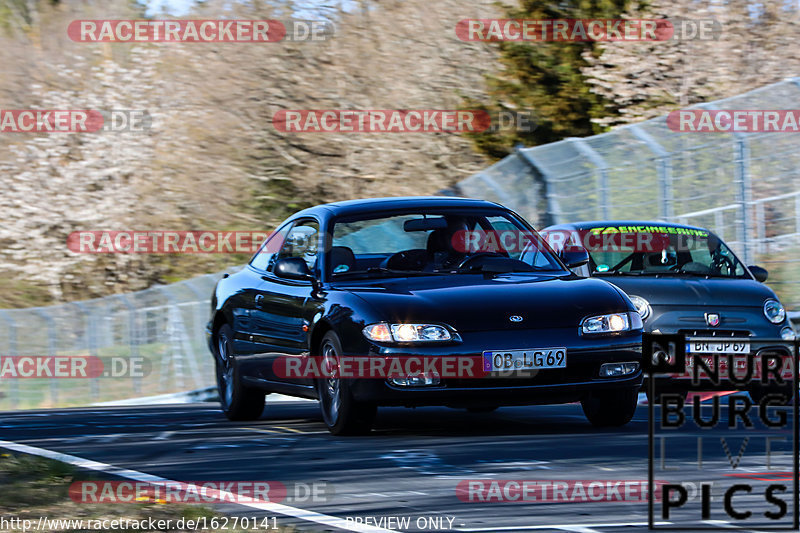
(613, 323)
(642, 306)
(788, 334)
(774, 311)
(407, 333)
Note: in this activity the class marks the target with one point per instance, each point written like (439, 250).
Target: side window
(266, 255)
(301, 242)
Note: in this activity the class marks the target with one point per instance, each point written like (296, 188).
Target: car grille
(574, 373)
(727, 333)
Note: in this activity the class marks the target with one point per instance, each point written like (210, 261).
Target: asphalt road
(410, 466)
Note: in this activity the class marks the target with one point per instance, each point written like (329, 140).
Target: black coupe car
(685, 280)
(384, 281)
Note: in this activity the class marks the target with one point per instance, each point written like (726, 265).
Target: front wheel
(237, 401)
(342, 414)
(610, 408)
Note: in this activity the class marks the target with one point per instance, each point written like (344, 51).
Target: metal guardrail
(207, 394)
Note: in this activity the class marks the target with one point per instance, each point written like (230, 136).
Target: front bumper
(382, 393)
(546, 386)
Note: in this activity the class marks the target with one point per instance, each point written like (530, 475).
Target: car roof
(590, 224)
(366, 205)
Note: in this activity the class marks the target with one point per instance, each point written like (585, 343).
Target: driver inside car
(442, 254)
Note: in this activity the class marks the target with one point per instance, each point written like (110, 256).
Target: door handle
(259, 299)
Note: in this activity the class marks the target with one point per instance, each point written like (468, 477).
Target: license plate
(717, 347)
(504, 360)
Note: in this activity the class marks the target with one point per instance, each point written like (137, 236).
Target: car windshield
(658, 250)
(431, 243)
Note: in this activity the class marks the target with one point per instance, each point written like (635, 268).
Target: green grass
(33, 487)
(27, 481)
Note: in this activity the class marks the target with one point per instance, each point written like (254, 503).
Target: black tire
(237, 401)
(341, 413)
(611, 408)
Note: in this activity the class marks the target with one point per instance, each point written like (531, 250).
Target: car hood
(477, 303)
(695, 291)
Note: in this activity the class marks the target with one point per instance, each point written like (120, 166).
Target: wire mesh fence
(144, 343)
(743, 186)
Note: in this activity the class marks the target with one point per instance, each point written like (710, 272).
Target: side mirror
(574, 256)
(293, 268)
(759, 273)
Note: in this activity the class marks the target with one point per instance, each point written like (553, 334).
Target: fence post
(597, 160)
(664, 169)
(742, 161)
(502, 195)
(133, 339)
(553, 208)
(51, 348)
(91, 346)
(174, 345)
